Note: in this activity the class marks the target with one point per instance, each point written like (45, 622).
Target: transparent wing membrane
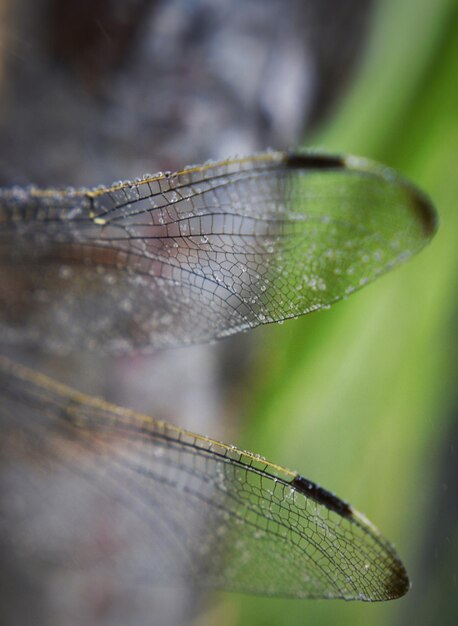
(200, 254)
(188, 508)
(173, 259)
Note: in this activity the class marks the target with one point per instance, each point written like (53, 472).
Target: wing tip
(397, 583)
(421, 205)
(425, 211)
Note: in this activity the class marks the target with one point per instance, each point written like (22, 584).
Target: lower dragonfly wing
(108, 493)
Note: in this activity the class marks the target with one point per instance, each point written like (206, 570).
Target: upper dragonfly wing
(200, 254)
(107, 493)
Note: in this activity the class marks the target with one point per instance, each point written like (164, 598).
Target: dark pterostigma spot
(298, 160)
(320, 495)
(425, 212)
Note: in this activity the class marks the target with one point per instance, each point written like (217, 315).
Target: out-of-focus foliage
(363, 398)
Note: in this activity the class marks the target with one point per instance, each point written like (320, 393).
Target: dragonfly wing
(106, 492)
(200, 254)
